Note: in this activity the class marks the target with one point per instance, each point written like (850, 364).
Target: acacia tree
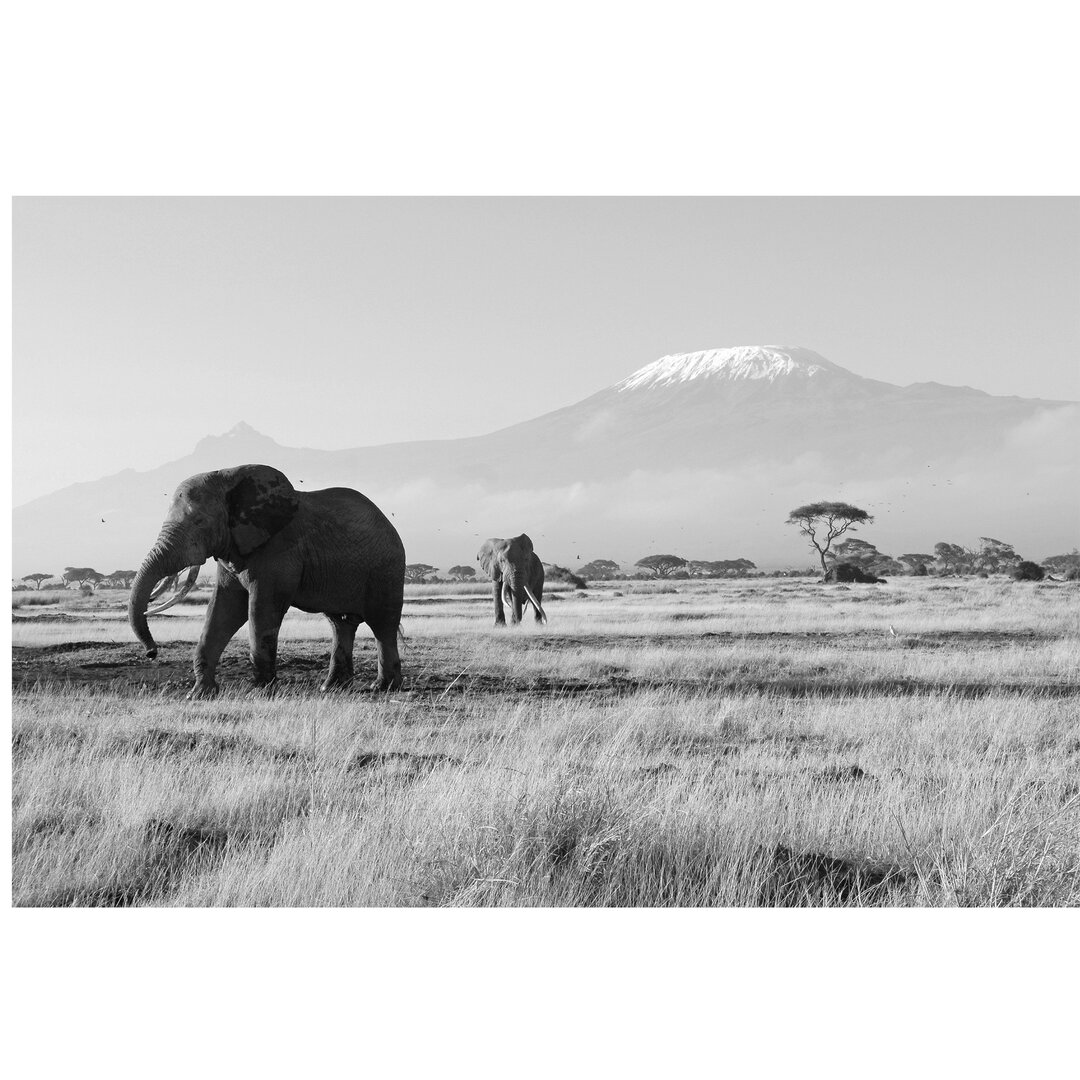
(953, 558)
(661, 565)
(719, 567)
(461, 573)
(734, 567)
(416, 572)
(81, 575)
(822, 522)
(599, 570)
(39, 578)
(995, 556)
(1056, 564)
(700, 568)
(865, 556)
(916, 562)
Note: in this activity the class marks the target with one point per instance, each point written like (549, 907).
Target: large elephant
(517, 576)
(330, 551)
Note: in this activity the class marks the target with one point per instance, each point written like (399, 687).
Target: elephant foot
(384, 686)
(335, 685)
(203, 692)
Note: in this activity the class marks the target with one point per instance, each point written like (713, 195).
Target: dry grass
(804, 755)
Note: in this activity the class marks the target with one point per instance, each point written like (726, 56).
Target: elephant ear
(523, 544)
(487, 556)
(260, 503)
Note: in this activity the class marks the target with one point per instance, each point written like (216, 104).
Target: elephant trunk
(173, 551)
(515, 586)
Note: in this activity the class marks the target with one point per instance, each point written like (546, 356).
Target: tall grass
(664, 797)
(580, 765)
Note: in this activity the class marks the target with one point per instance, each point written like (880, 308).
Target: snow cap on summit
(737, 362)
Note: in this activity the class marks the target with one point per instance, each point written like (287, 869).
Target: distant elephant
(517, 576)
(330, 551)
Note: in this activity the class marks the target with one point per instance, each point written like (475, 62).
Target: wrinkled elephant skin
(331, 551)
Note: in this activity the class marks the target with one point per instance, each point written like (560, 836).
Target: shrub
(1029, 571)
(554, 572)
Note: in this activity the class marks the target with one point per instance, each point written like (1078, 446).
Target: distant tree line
(989, 556)
(822, 523)
(82, 577)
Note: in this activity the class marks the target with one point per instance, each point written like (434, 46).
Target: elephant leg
(340, 672)
(228, 611)
(388, 676)
(500, 615)
(265, 612)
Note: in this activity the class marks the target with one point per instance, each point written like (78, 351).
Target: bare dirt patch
(438, 668)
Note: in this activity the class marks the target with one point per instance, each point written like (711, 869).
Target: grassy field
(770, 742)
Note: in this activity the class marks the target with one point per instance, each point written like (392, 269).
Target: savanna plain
(767, 742)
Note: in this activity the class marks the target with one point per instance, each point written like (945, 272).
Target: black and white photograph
(490, 552)
(543, 543)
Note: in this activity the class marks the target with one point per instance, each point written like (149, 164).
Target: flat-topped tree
(81, 575)
(661, 565)
(599, 570)
(38, 578)
(719, 567)
(822, 522)
(462, 573)
(916, 562)
(865, 556)
(417, 572)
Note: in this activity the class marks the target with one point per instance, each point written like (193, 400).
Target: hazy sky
(141, 325)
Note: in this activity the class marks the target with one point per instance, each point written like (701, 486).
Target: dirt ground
(439, 666)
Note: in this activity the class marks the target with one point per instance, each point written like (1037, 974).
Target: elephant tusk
(536, 604)
(163, 585)
(189, 584)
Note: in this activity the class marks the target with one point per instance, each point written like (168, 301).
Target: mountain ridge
(707, 444)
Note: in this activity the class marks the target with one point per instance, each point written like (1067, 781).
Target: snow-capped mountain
(700, 453)
(741, 362)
